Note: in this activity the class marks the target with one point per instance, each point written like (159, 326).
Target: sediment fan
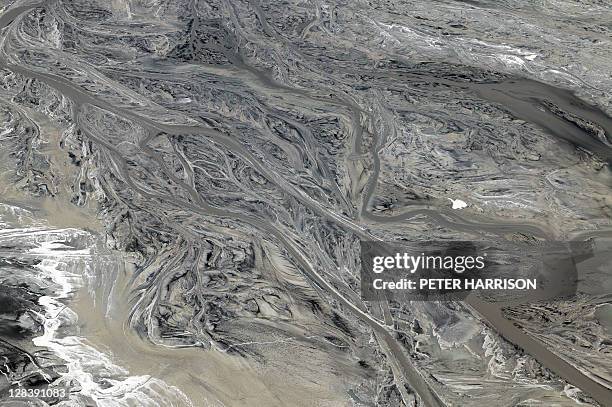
(186, 188)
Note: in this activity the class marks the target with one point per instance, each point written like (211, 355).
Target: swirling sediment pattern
(215, 165)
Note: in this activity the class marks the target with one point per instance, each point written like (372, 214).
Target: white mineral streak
(99, 378)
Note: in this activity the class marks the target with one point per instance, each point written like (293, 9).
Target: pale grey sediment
(493, 314)
(233, 155)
